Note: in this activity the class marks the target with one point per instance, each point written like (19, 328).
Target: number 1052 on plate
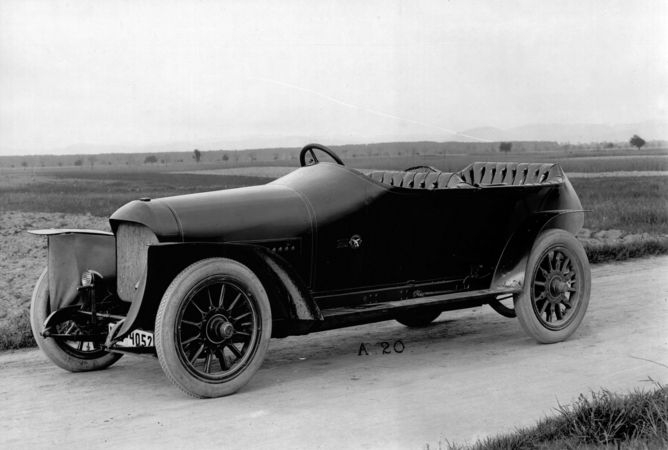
(137, 338)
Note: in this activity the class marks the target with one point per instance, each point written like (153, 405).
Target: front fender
(512, 265)
(290, 299)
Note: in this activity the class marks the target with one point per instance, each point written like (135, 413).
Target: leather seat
(512, 174)
(474, 175)
(420, 180)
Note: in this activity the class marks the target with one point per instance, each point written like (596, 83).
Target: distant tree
(60, 164)
(236, 157)
(24, 164)
(197, 156)
(344, 151)
(151, 159)
(505, 146)
(276, 156)
(79, 162)
(637, 141)
(108, 163)
(225, 157)
(252, 156)
(92, 159)
(609, 145)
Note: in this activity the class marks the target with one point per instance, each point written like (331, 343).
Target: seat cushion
(474, 175)
(515, 174)
(420, 180)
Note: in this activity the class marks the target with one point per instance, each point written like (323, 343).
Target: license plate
(137, 338)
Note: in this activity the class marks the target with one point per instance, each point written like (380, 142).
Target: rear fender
(512, 265)
(290, 300)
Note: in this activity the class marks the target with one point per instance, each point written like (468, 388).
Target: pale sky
(141, 72)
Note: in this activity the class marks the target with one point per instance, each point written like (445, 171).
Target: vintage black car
(204, 281)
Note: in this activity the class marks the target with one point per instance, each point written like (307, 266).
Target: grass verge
(604, 252)
(632, 204)
(636, 420)
(15, 331)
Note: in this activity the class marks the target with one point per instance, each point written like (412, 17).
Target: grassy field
(632, 204)
(100, 192)
(606, 420)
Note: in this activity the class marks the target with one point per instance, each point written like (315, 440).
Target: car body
(208, 278)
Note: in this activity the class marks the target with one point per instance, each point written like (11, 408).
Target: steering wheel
(309, 148)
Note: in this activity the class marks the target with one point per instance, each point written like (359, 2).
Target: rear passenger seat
(515, 174)
(420, 180)
(474, 175)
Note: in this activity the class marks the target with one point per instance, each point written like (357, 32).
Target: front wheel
(75, 356)
(557, 285)
(213, 328)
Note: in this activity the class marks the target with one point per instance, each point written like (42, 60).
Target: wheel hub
(219, 329)
(556, 287)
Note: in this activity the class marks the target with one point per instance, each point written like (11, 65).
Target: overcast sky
(140, 72)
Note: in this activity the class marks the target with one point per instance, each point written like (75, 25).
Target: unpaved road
(471, 374)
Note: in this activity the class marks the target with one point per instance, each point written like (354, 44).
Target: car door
(340, 214)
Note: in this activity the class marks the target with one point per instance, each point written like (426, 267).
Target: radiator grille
(132, 241)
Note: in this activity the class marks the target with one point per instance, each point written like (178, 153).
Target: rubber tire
(39, 310)
(417, 320)
(165, 323)
(523, 302)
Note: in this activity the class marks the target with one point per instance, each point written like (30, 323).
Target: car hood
(242, 214)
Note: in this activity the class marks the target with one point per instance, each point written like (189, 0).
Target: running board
(378, 312)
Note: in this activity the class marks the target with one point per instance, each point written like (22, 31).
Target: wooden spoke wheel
(556, 288)
(213, 328)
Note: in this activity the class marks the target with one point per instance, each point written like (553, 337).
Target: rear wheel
(556, 288)
(75, 356)
(421, 319)
(213, 328)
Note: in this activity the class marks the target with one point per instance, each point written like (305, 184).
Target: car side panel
(338, 201)
(420, 235)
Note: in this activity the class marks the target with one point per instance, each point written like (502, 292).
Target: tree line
(388, 149)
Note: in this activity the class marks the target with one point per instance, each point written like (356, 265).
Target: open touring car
(204, 281)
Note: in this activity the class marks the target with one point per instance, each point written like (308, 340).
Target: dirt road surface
(471, 374)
